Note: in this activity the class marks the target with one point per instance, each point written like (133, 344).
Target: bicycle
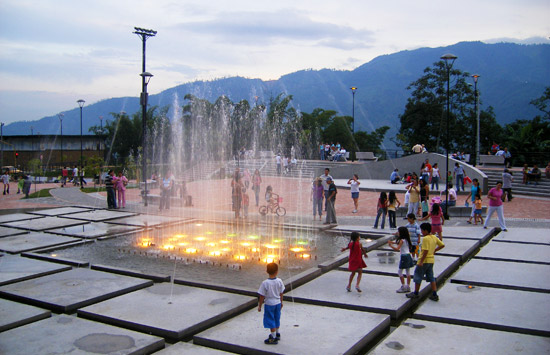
(273, 206)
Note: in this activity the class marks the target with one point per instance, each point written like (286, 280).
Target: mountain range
(511, 75)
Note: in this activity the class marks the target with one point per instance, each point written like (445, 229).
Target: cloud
(530, 40)
(266, 28)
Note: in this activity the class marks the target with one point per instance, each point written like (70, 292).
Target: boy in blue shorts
(271, 292)
(414, 233)
(430, 245)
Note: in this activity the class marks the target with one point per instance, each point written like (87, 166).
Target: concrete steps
(518, 188)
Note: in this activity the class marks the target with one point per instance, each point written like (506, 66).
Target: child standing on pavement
(382, 207)
(271, 292)
(403, 245)
(392, 201)
(424, 267)
(356, 262)
(436, 214)
(478, 209)
(415, 234)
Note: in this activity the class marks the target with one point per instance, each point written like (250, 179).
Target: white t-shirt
(405, 248)
(271, 289)
(324, 181)
(354, 186)
(6, 179)
(278, 159)
(435, 172)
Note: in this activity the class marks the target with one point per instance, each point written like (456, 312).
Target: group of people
(334, 152)
(116, 187)
(240, 184)
(284, 164)
(76, 176)
(23, 183)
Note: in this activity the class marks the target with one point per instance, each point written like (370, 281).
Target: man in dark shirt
(109, 186)
(331, 200)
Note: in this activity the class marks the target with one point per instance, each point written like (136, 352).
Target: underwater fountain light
(191, 250)
(296, 250)
(200, 239)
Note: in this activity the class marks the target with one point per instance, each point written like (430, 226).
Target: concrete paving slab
(54, 258)
(71, 335)
(147, 220)
(94, 230)
(7, 231)
(527, 253)
(191, 310)
(14, 314)
(378, 294)
(189, 348)
(31, 241)
(382, 265)
(44, 223)
(99, 215)
(505, 274)
(419, 337)
(14, 268)
(467, 232)
(70, 290)
(462, 248)
(134, 273)
(524, 235)
(305, 329)
(17, 217)
(60, 211)
(491, 308)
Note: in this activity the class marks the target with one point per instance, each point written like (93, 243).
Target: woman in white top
(435, 177)
(354, 182)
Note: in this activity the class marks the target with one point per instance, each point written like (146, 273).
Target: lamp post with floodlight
(476, 95)
(81, 105)
(449, 61)
(353, 89)
(60, 115)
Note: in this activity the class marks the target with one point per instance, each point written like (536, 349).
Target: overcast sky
(53, 53)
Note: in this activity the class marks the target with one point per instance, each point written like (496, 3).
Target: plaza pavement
(493, 287)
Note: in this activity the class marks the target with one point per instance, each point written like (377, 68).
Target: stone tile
(17, 217)
(6, 231)
(64, 334)
(419, 337)
(462, 248)
(189, 348)
(14, 314)
(491, 308)
(467, 232)
(31, 241)
(44, 223)
(505, 274)
(528, 253)
(191, 310)
(60, 211)
(524, 235)
(146, 220)
(99, 215)
(378, 293)
(15, 268)
(70, 290)
(305, 329)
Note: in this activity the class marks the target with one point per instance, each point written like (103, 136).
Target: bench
(454, 211)
(491, 160)
(367, 156)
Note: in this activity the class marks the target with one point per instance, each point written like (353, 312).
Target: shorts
(355, 195)
(406, 261)
(272, 316)
(437, 228)
(420, 271)
(477, 212)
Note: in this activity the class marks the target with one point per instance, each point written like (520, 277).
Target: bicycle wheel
(263, 210)
(280, 211)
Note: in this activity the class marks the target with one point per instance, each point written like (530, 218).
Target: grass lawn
(40, 193)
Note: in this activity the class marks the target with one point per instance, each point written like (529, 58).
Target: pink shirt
(494, 192)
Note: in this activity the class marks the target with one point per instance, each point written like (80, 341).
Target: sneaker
(434, 297)
(354, 211)
(348, 289)
(278, 336)
(358, 289)
(411, 295)
(270, 340)
(402, 289)
(505, 230)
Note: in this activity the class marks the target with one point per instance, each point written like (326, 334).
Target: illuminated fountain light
(191, 250)
(200, 239)
(168, 246)
(211, 244)
(296, 249)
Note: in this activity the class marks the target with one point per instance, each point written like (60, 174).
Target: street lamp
(449, 61)
(476, 95)
(81, 105)
(60, 115)
(2, 142)
(353, 89)
(101, 133)
(32, 141)
(144, 34)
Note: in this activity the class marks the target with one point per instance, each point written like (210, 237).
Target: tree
(543, 103)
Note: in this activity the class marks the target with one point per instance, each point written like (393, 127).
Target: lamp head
(353, 89)
(147, 76)
(475, 76)
(449, 58)
(81, 103)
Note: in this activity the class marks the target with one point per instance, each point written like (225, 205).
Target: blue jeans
(459, 182)
(317, 206)
(435, 181)
(381, 211)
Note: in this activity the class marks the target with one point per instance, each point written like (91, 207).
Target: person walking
(403, 245)
(474, 190)
(392, 208)
(382, 207)
(324, 181)
(331, 200)
(6, 181)
(354, 182)
(458, 174)
(495, 205)
(414, 197)
(271, 293)
(435, 177)
(507, 180)
(166, 185)
(256, 182)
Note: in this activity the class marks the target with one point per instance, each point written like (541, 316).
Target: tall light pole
(476, 95)
(101, 133)
(449, 61)
(353, 89)
(144, 35)
(2, 142)
(32, 142)
(60, 115)
(81, 105)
